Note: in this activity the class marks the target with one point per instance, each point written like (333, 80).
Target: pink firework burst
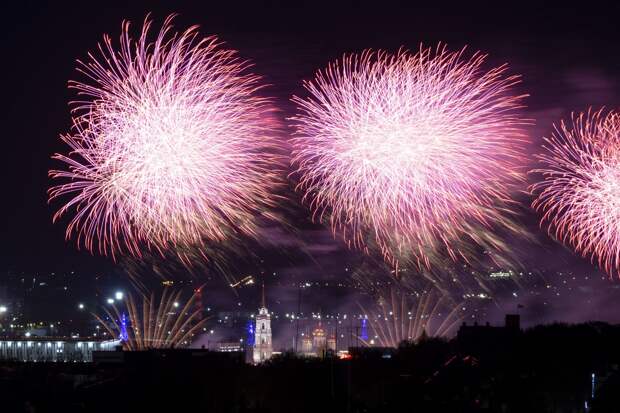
(579, 194)
(411, 153)
(171, 145)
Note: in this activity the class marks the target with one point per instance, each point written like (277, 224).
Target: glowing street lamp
(110, 300)
(118, 295)
(81, 306)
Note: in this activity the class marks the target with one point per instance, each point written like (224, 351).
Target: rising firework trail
(150, 324)
(579, 193)
(171, 145)
(416, 155)
(400, 317)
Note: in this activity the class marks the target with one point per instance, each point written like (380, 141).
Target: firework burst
(152, 325)
(171, 145)
(418, 155)
(400, 317)
(579, 194)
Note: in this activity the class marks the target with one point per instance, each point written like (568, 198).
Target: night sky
(569, 58)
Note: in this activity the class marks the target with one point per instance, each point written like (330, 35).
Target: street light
(3, 309)
(118, 295)
(81, 306)
(110, 300)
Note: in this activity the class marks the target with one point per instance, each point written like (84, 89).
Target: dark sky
(569, 58)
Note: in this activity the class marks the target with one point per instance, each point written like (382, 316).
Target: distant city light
(501, 274)
(81, 306)
(110, 300)
(176, 304)
(118, 295)
(3, 309)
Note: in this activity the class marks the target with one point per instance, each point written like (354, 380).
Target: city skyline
(271, 207)
(286, 49)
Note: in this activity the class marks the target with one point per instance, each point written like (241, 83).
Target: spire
(123, 334)
(263, 297)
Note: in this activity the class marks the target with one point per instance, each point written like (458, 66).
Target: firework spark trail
(165, 325)
(399, 317)
(579, 194)
(411, 152)
(171, 145)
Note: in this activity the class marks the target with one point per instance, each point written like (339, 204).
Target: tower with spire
(123, 336)
(262, 333)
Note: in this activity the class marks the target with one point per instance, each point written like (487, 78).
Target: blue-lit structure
(123, 336)
(364, 330)
(250, 330)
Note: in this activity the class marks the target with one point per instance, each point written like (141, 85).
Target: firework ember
(171, 145)
(411, 153)
(579, 194)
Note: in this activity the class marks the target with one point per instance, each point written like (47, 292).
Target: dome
(318, 332)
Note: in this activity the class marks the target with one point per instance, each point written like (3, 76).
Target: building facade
(263, 347)
(318, 343)
(230, 346)
(53, 350)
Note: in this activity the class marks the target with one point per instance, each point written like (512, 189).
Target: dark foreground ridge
(554, 368)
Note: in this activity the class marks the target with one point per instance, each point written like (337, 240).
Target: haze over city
(309, 181)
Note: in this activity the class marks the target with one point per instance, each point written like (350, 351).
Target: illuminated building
(123, 336)
(262, 334)
(53, 350)
(230, 346)
(306, 344)
(331, 342)
(364, 329)
(250, 336)
(501, 274)
(318, 343)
